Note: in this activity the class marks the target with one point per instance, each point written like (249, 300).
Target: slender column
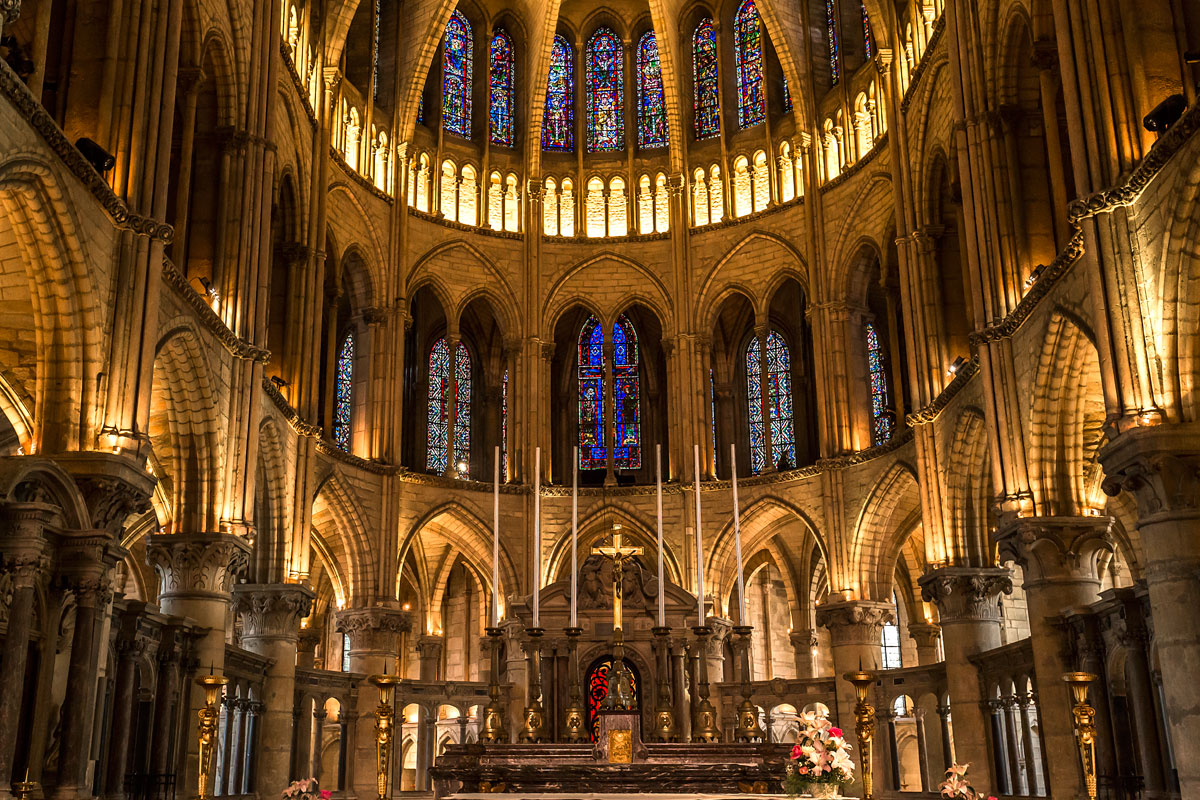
(129, 649)
(166, 700)
(968, 606)
(223, 782)
(683, 716)
(926, 635)
(947, 743)
(1060, 557)
(923, 750)
(271, 617)
(999, 753)
(804, 642)
(1017, 762)
(1036, 786)
(319, 716)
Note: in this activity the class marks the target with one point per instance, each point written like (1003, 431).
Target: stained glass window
(881, 412)
(343, 391)
(748, 51)
(712, 401)
(457, 62)
(869, 48)
(375, 54)
(504, 427)
(778, 401)
(438, 419)
(889, 644)
(345, 652)
(462, 405)
(558, 129)
(503, 97)
(787, 96)
(831, 34)
(605, 92)
(597, 690)
(627, 452)
(652, 107)
(592, 452)
(705, 80)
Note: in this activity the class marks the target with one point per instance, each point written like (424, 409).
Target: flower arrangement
(957, 787)
(306, 789)
(820, 761)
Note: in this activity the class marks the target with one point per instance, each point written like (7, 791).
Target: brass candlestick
(574, 726)
(207, 729)
(385, 727)
(664, 712)
(748, 729)
(534, 729)
(1085, 726)
(23, 789)
(704, 717)
(494, 730)
(864, 727)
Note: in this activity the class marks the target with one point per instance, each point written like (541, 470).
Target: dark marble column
(129, 647)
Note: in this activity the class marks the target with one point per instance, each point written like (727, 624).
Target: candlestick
(864, 725)
(496, 543)
(737, 538)
(574, 539)
(537, 535)
(699, 539)
(207, 730)
(385, 729)
(494, 731)
(662, 595)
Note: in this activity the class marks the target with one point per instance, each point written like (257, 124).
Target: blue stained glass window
(558, 122)
(705, 80)
(437, 451)
(881, 411)
(831, 34)
(421, 110)
(748, 51)
(462, 405)
(778, 402)
(869, 48)
(652, 106)
(592, 451)
(503, 97)
(504, 428)
(343, 392)
(627, 451)
(605, 92)
(787, 96)
(712, 400)
(375, 54)
(457, 63)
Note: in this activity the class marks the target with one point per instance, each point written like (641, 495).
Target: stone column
(803, 643)
(129, 647)
(24, 559)
(166, 699)
(319, 715)
(969, 609)
(1060, 557)
(1026, 707)
(926, 635)
(948, 754)
(855, 632)
(429, 650)
(1140, 690)
(270, 616)
(196, 573)
(1160, 466)
(373, 636)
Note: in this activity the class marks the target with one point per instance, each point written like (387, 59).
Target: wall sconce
(460, 469)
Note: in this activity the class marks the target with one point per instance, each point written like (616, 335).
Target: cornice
(237, 346)
(459, 226)
(858, 166)
(931, 412)
(361, 180)
(299, 83)
(367, 465)
(939, 28)
(290, 414)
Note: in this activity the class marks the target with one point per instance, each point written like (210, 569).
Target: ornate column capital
(925, 634)
(966, 594)
(1160, 467)
(1056, 548)
(373, 630)
(430, 646)
(197, 564)
(856, 622)
(272, 611)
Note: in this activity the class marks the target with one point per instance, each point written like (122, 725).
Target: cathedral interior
(338, 337)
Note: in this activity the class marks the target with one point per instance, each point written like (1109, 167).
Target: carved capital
(373, 629)
(111, 501)
(858, 622)
(9, 11)
(272, 611)
(1160, 467)
(430, 646)
(925, 634)
(1045, 54)
(1056, 548)
(966, 594)
(804, 640)
(197, 564)
(374, 315)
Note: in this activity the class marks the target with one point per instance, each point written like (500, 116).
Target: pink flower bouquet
(820, 757)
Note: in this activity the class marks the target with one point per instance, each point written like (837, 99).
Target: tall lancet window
(748, 52)
(438, 447)
(504, 427)
(778, 402)
(881, 406)
(343, 392)
(592, 452)
(605, 92)
(558, 121)
(705, 80)
(868, 44)
(457, 63)
(627, 452)
(831, 35)
(627, 440)
(652, 106)
(503, 84)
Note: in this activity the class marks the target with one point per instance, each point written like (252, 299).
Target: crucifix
(620, 687)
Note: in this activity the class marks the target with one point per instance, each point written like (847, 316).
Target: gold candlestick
(534, 729)
(23, 789)
(494, 731)
(574, 725)
(385, 727)
(704, 716)
(1085, 726)
(864, 726)
(664, 712)
(207, 729)
(748, 728)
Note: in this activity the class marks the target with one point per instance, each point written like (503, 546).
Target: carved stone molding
(1159, 466)
(430, 646)
(373, 629)
(803, 640)
(1057, 548)
(966, 594)
(855, 622)
(9, 11)
(111, 501)
(272, 611)
(197, 564)
(925, 634)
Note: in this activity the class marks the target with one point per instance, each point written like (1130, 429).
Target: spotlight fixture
(278, 381)
(461, 469)
(100, 159)
(1165, 114)
(1033, 276)
(209, 288)
(956, 366)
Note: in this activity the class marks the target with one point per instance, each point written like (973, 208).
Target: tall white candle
(737, 538)
(537, 535)
(662, 596)
(496, 542)
(699, 539)
(574, 538)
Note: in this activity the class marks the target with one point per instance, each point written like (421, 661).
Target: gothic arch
(336, 509)
(885, 522)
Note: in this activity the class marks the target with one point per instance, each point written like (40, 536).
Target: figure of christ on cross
(620, 688)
